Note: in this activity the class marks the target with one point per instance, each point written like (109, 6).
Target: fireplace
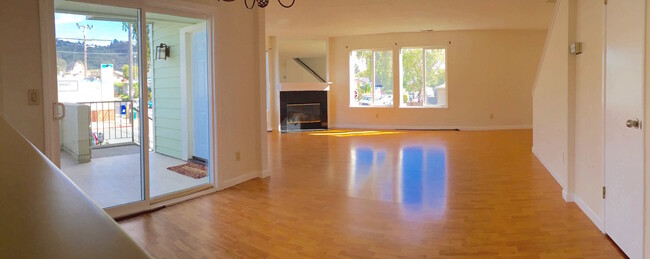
(303, 110)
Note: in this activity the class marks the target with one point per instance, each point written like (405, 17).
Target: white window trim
(372, 88)
(424, 78)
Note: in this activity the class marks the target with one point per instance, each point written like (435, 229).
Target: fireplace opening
(303, 110)
(303, 113)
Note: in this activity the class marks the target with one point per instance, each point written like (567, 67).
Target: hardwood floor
(383, 194)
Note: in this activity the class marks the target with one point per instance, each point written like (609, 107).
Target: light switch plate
(34, 97)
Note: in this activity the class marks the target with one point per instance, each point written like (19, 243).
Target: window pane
(412, 77)
(435, 91)
(98, 80)
(384, 78)
(361, 79)
(178, 163)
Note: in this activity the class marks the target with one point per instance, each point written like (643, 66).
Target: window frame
(424, 78)
(372, 88)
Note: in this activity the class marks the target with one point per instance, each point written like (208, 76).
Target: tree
(413, 62)
(61, 65)
(134, 36)
(125, 71)
(412, 71)
(132, 29)
(384, 71)
(435, 67)
(363, 72)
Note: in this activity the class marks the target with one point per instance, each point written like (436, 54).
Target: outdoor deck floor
(113, 176)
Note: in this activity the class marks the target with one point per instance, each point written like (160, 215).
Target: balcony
(101, 153)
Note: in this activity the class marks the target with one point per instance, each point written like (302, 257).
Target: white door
(200, 100)
(624, 151)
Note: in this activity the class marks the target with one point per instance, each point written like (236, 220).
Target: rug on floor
(194, 170)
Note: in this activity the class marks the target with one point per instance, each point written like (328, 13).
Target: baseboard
(266, 173)
(239, 179)
(394, 127)
(545, 164)
(568, 197)
(572, 197)
(600, 224)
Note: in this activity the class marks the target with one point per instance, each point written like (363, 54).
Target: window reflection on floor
(416, 178)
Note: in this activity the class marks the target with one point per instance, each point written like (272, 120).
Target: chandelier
(263, 3)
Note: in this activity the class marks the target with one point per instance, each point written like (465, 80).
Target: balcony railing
(116, 122)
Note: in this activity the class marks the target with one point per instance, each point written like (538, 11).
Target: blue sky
(66, 27)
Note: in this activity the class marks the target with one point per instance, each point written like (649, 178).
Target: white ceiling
(312, 19)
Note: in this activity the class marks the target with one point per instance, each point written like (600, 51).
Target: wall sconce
(162, 51)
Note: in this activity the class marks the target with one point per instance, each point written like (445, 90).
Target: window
(424, 78)
(371, 78)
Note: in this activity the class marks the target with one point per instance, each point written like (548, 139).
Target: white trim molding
(568, 196)
(239, 179)
(545, 164)
(48, 70)
(266, 173)
(600, 224)
(398, 127)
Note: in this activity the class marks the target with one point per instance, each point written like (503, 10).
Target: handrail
(311, 71)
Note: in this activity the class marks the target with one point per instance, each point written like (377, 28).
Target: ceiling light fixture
(263, 3)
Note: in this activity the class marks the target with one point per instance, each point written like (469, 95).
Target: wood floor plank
(383, 195)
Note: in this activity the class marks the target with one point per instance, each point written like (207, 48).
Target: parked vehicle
(366, 100)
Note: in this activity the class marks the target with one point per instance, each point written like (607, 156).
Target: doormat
(194, 170)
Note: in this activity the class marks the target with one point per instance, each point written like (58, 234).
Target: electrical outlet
(237, 156)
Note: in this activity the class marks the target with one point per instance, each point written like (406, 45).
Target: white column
(261, 36)
(274, 77)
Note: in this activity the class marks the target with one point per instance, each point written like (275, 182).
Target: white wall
(552, 133)
(20, 67)
(550, 99)
(292, 72)
(238, 93)
(489, 72)
(318, 64)
(588, 107)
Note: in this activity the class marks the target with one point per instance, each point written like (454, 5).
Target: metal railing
(111, 122)
(137, 129)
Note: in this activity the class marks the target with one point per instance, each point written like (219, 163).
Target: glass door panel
(98, 83)
(179, 158)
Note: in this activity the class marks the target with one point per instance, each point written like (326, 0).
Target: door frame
(50, 94)
(186, 94)
(603, 108)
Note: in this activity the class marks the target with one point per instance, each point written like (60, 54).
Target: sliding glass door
(135, 104)
(179, 106)
(98, 86)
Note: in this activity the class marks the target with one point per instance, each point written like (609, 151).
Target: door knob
(635, 123)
